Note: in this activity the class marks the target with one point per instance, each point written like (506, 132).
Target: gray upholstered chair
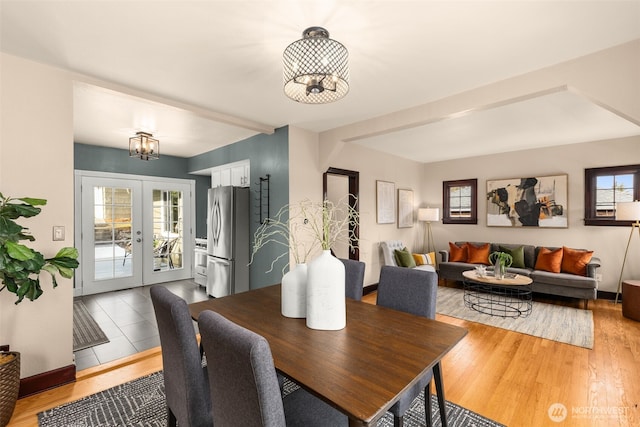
(186, 382)
(354, 278)
(245, 391)
(412, 291)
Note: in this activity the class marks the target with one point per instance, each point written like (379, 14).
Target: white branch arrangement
(305, 227)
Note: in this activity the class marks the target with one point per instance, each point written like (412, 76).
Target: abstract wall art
(535, 201)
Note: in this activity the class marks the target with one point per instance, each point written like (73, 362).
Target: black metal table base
(498, 300)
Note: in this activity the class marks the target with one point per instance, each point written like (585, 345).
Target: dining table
(362, 369)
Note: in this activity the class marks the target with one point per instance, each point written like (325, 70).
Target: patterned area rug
(554, 322)
(86, 332)
(141, 403)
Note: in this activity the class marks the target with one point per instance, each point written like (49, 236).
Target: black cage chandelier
(144, 146)
(316, 68)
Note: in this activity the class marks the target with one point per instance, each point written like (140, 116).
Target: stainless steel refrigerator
(228, 241)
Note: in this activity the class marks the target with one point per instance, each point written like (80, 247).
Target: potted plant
(20, 268)
(500, 261)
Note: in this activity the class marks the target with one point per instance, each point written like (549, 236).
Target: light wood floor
(509, 377)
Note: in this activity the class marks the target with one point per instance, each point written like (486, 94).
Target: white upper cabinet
(240, 175)
(236, 174)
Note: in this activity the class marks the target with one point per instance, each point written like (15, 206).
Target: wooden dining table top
(360, 370)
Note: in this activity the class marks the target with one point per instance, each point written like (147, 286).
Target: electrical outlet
(598, 277)
(58, 232)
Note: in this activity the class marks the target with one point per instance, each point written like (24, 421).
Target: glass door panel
(167, 230)
(112, 230)
(171, 255)
(108, 248)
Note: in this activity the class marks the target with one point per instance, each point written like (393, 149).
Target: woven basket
(9, 384)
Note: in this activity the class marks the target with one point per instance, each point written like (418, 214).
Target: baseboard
(608, 295)
(370, 288)
(47, 380)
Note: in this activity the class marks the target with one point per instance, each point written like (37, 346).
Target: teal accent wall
(114, 160)
(268, 154)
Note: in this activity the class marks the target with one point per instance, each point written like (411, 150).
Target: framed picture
(539, 201)
(405, 208)
(385, 202)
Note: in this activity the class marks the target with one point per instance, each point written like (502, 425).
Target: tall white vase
(294, 292)
(326, 306)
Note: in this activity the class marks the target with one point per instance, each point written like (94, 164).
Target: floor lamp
(429, 215)
(627, 211)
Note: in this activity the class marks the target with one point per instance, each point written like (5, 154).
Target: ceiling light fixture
(316, 68)
(144, 146)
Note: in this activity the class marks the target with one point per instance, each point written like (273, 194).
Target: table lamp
(428, 215)
(627, 211)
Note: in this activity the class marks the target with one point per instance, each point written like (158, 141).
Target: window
(604, 187)
(459, 201)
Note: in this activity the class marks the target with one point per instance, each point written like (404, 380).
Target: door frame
(189, 235)
(354, 197)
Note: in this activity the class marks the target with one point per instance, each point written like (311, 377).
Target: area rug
(86, 332)
(553, 322)
(141, 403)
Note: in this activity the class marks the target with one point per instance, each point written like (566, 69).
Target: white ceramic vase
(294, 292)
(326, 305)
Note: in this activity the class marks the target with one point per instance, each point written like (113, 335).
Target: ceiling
(203, 74)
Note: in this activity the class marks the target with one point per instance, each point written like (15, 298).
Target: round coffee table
(507, 297)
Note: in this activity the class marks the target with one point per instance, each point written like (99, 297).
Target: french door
(134, 231)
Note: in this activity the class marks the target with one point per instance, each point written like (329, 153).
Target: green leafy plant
(500, 261)
(505, 259)
(20, 266)
(306, 227)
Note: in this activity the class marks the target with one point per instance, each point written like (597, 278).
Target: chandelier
(144, 146)
(316, 68)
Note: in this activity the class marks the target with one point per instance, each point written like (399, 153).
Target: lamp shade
(628, 211)
(316, 68)
(429, 214)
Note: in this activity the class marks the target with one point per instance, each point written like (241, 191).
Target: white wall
(609, 78)
(36, 147)
(306, 170)
(305, 175)
(608, 243)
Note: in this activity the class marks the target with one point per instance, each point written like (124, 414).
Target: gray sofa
(563, 284)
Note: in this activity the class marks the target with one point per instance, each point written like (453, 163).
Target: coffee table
(507, 297)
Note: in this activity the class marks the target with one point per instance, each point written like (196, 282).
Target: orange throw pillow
(549, 260)
(575, 261)
(458, 253)
(478, 254)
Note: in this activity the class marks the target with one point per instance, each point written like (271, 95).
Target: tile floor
(128, 320)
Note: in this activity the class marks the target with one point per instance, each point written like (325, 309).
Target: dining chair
(354, 278)
(186, 382)
(244, 386)
(412, 291)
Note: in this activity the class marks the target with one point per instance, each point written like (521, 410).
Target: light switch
(58, 232)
